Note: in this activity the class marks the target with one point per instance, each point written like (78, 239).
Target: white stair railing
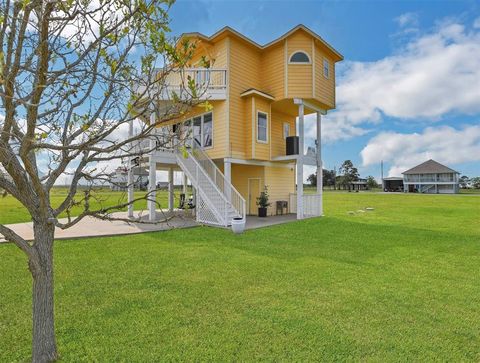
(212, 206)
(232, 195)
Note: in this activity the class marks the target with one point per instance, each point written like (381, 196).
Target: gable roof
(429, 167)
(227, 29)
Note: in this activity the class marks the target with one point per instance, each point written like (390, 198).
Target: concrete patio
(92, 227)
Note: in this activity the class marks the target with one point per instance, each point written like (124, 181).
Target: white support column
(227, 171)
(319, 162)
(170, 190)
(185, 184)
(152, 179)
(300, 159)
(130, 174)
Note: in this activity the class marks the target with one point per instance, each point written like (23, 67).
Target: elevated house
(250, 139)
(431, 177)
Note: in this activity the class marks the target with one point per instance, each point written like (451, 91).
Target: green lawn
(400, 283)
(11, 211)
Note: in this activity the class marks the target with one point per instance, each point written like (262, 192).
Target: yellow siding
(324, 88)
(299, 75)
(280, 182)
(241, 174)
(244, 73)
(249, 108)
(278, 142)
(273, 71)
(262, 150)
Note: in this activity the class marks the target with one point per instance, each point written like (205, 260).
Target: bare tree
(72, 74)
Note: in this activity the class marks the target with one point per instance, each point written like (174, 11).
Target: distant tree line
(347, 174)
(466, 182)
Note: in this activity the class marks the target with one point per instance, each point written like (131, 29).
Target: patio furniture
(281, 205)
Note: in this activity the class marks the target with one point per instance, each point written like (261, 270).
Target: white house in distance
(431, 177)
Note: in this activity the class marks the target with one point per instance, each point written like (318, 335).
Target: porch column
(300, 158)
(152, 178)
(319, 163)
(185, 184)
(227, 171)
(170, 189)
(130, 174)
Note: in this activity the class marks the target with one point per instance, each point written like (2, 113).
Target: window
(326, 68)
(262, 127)
(299, 57)
(286, 130)
(207, 130)
(202, 130)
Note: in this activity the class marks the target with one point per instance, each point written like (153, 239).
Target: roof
(393, 178)
(430, 167)
(254, 91)
(230, 30)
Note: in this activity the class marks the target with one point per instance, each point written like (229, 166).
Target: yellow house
(240, 146)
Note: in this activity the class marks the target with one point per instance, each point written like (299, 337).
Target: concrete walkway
(92, 227)
(254, 222)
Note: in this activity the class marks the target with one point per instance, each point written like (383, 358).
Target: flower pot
(262, 212)
(238, 225)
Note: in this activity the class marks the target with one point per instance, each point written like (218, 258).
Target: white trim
(260, 163)
(283, 130)
(323, 67)
(257, 93)
(253, 127)
(313, 68)
(308, 104)
(299, 51)
(286, 68)
(266, 131)
(227, 113)
(248, 191)
(270, 132)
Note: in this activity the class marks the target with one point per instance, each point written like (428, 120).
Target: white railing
(312, 206)
(232, 195)
(206, 82)
(212, 206)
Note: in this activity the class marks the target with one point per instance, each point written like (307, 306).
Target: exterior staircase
(217, 201)
(426, 188)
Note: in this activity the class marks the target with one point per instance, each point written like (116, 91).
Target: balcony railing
(207, 84)
(429, 179)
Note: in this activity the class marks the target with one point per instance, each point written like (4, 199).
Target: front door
(253, 194)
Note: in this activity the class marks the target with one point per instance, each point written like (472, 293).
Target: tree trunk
(44, 347)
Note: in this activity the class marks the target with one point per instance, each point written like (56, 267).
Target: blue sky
(409, 88)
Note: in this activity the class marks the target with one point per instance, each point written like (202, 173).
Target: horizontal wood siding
(299, 75)
(280, 182)
(262, 150)
(324, 88)
(244, 71)
(278, 142)
(241, 174)
(273, 71)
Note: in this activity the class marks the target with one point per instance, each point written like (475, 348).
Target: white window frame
(266, 127)
(202, 134)
(299, 51)
(326, 66)
(284, 134)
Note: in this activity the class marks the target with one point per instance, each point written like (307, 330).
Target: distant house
(431, 177)
(360, 184)
(119, 178)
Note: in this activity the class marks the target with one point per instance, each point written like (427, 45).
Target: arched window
(299, 57)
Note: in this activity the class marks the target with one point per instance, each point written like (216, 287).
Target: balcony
(292, 152)
(208, 84)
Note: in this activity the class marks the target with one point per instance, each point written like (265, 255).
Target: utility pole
(381, 167)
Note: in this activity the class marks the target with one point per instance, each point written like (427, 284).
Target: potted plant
(262, 202)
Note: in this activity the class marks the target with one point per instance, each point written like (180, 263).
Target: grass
(399, 283)
(12, 211)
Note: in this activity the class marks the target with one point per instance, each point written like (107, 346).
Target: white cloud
(444, 144)
(431, 76)
(407, 19)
